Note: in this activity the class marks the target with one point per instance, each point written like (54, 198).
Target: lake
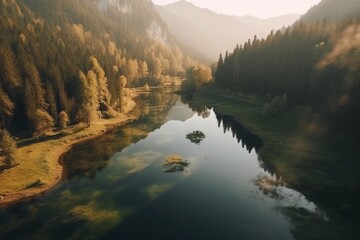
(179, 172)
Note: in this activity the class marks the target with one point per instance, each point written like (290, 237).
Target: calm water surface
(120, 187)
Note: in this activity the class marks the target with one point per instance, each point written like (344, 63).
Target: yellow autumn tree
(131, 70)
(120, 85)
(42, 122)
(88, 99)
(102, 81)
(8, 147)
(63, 120)
(144, 70)
(6, 107)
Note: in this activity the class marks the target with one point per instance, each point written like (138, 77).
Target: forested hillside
(77, 58)
(313, 65)
(332, 11)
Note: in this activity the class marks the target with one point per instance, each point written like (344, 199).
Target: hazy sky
(257, 8)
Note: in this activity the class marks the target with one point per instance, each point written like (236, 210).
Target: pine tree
(87, 97)
(9, 72)
(42, 123)
(8, 146)
(6, 107)
(121, 84)
(63, 120)
(102, 81)
(144, 71)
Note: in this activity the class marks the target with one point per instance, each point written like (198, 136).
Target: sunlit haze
(257, 8)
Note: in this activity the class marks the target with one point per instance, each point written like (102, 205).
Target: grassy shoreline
(322, 167)
(40, 167)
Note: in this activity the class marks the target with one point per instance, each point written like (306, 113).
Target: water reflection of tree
(269, 185)
(307, 220)
(199, 108)
(12, 215)
(174, 163)
(308, 225)
(87, 159)
(248, 140)
(155, 106)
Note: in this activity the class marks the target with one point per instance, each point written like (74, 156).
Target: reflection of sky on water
(180, 112)
(133, 162)
(274, 189)
(216, 197)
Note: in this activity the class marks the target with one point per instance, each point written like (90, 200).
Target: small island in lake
(196, 137)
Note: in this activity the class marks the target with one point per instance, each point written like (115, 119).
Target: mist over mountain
(333, 11)
(212, 33)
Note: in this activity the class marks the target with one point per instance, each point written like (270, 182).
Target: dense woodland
(68, 61)
(316, 65)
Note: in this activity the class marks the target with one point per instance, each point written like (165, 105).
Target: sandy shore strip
(39, 169)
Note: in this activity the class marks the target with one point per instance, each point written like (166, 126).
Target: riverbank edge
(51, 153)
(304, 161)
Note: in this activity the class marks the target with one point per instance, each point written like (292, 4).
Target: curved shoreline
(20, 183)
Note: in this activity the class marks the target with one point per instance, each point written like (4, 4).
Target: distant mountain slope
(212, 33)
(269, 23)
(333, 10)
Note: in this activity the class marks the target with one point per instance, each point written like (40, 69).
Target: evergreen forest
(311, 65)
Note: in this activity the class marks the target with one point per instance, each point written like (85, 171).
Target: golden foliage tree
(93, 93)
(9, 71)
(63, 120)
(34, 93)
(6, 106)
(144, 70)
(196, 77)
(102, 81)
(87, 110)
(51, 99)
(120, 85)
(131, 70)
(8, 147)
(157, 68)
(42, 123)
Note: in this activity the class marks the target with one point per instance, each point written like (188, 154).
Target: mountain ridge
(332, 11)
(221, 32)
